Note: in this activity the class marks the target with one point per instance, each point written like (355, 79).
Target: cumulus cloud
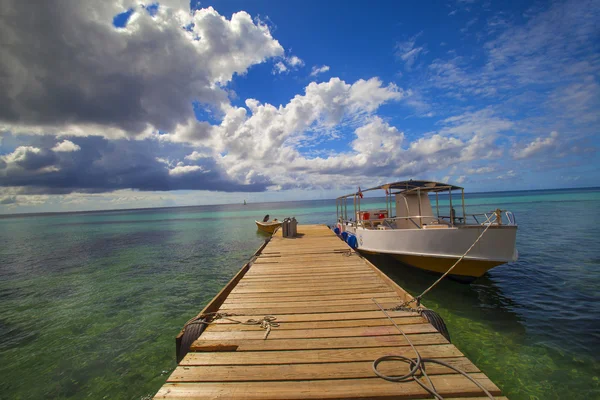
(260, 135)
(538, 146)
(295, 62)
(66, 146)
(133, 80)
(197, 155)
(287, 64)
(319, 70)
(184, 169)
(279, 68)
(102, 165)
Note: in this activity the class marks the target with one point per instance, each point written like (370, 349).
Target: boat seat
(436, 226)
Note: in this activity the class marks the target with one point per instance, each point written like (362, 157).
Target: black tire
(192, 332)
(437, 322)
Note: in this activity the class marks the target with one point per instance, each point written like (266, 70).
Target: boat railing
(495, 217)
(389, 221)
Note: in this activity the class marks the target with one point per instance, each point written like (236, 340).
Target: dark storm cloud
(103, 165)
(36, 160)
(62, 62)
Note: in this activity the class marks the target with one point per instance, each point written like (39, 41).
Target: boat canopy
(404, 186)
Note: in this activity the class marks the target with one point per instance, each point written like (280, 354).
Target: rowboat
(408, 230)
(268, 227)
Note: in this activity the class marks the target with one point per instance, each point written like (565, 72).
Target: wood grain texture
(330, 331)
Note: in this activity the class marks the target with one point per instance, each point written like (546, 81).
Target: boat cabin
(408, 205)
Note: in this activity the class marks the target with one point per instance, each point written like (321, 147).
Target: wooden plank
(323, 285)
(319, 343)
(285, 285)
(307, 303)
(333, 316)
(315, 356)
(300, 274)
(305, 270)
(313, 296)
(372, 388)
(324, 324)
(275, 311)
(300, 372)
(275, 334)
(323, 299)
(303, 281)
(338, 289)
(260, 292)
(266, 279)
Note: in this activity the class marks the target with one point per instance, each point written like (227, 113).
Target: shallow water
(90, 302)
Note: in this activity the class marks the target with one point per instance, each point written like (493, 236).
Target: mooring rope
(417, 365)
(348, 253)
(417, 299)
(209, 318)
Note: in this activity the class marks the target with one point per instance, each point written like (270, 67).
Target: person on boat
(266, 218)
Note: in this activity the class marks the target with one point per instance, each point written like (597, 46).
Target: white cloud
(408, 51)
(326, 104)
(287, 64)
(294, 62)
(197, 155)
(510, 174)
(480, 170)
(539, 145)
(484, 122)
(184, 169)
(66, 146)
(279, 68)
(20, 154)
(319, 70)
(156, 68)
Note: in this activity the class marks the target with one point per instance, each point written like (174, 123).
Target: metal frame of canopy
(403, 187)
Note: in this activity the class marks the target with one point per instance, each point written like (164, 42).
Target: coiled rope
(417, 366)
(266, 323)
(417, 299)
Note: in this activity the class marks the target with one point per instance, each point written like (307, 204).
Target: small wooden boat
(269, 226)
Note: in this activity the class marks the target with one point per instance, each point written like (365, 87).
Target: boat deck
(329, 332)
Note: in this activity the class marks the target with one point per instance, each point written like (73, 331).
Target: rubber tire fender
(438, 323)
(192, 332)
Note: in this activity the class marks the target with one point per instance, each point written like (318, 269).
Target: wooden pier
(330, 332)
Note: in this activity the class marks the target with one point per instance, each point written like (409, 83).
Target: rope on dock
(417, 365)
(417, 299)
(266, 323)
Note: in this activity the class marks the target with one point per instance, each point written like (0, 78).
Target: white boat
(411, 232)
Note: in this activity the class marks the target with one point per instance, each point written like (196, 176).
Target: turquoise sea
(90, 303)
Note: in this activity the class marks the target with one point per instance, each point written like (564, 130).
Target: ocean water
(90, 303)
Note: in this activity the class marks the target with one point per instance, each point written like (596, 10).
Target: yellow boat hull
(466, 268)
(268, 227)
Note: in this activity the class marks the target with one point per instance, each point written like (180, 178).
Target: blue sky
(266, 101)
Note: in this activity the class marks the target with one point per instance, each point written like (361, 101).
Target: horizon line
(44, 213)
